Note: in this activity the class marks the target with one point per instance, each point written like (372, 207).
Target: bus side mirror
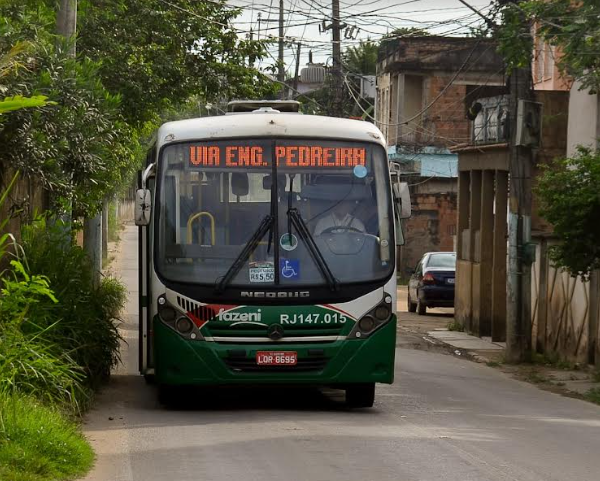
(143, 207)
(402, 200)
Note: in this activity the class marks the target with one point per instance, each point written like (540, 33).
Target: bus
(267, 243)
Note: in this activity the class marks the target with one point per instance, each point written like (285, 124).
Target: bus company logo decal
(275, 294)
(236, 317)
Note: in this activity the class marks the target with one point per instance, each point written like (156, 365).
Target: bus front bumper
(185, 362)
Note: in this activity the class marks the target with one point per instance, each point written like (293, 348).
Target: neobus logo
(275, 295)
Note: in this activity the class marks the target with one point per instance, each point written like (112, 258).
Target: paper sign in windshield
(261, 272)
(293, 156)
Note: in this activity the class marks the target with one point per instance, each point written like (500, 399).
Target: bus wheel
(150, 379)
(360, 395)
(167, 395)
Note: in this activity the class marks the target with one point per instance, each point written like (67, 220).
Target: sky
(365, 19)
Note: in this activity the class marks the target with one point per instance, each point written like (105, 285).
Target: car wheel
(421, 309)
(361, 395)
(412, 307)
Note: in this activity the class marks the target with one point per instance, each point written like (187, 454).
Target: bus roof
(269, 123)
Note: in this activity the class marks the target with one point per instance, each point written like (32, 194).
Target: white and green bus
(267, 246)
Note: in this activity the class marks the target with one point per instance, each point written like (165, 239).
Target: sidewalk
(433, 328)
(564, 378)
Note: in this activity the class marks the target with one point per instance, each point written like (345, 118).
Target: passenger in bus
(341, 215)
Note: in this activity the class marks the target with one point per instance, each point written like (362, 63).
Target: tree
(568, 189)
(78, 147)
(573, 27)
(362, 59)
(155, 54)
(403, 32)
(9, 62)
(570, 200)
(136, 60)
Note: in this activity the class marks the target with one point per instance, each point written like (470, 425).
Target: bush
(37, 443)
(29, 363)
(84, 320)
(568, 192)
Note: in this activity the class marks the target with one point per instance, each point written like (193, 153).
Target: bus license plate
(276, 358)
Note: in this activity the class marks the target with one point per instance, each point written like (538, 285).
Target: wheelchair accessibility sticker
(289, 268)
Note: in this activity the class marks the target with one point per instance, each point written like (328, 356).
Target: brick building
(423, 85)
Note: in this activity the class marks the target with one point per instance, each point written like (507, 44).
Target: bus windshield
(315, 213)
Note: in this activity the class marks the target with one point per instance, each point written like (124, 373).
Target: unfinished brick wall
(445, 121)
(431, 228)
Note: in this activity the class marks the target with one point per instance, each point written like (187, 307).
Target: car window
(419, 268)
(442, 260)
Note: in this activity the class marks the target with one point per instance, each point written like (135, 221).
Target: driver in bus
(342, 217)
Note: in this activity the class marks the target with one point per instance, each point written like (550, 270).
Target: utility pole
(518, 286)
(66, 23)
(281, 72)
(105, 206)
(337, 108)
(259, 20)
(296, 74)
(66, 26)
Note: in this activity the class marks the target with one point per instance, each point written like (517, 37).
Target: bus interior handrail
(199, 215)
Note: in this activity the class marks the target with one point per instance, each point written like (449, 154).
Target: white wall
(583, 119)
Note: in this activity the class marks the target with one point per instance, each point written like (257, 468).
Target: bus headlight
(184, 325)
(373, 320)
(366, 324)
(177, 320)
(167, 313)
(382, 312)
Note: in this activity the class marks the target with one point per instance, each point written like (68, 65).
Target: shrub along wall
(58, 341)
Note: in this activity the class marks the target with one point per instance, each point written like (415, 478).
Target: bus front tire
(167, 395)
(360, 395)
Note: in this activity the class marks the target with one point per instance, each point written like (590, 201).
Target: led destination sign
(286, 156)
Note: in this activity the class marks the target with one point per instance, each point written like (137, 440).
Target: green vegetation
(574, 27)
(38, 443)
(88, 315)
(114, 226)
(9, 62)
(58, 341)
(568, 191)
(593, 395)
(85, 143)
(553, 360)
(28, 362)
(535, 377)
(454, 325)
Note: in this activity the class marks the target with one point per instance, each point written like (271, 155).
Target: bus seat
(239, 184)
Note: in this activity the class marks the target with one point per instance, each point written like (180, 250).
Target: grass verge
(455, 326)
(593, 395)
(38, 443)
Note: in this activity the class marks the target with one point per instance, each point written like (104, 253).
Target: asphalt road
(445, 418)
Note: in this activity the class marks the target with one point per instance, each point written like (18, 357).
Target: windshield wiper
(265, 226)
(302, 229)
